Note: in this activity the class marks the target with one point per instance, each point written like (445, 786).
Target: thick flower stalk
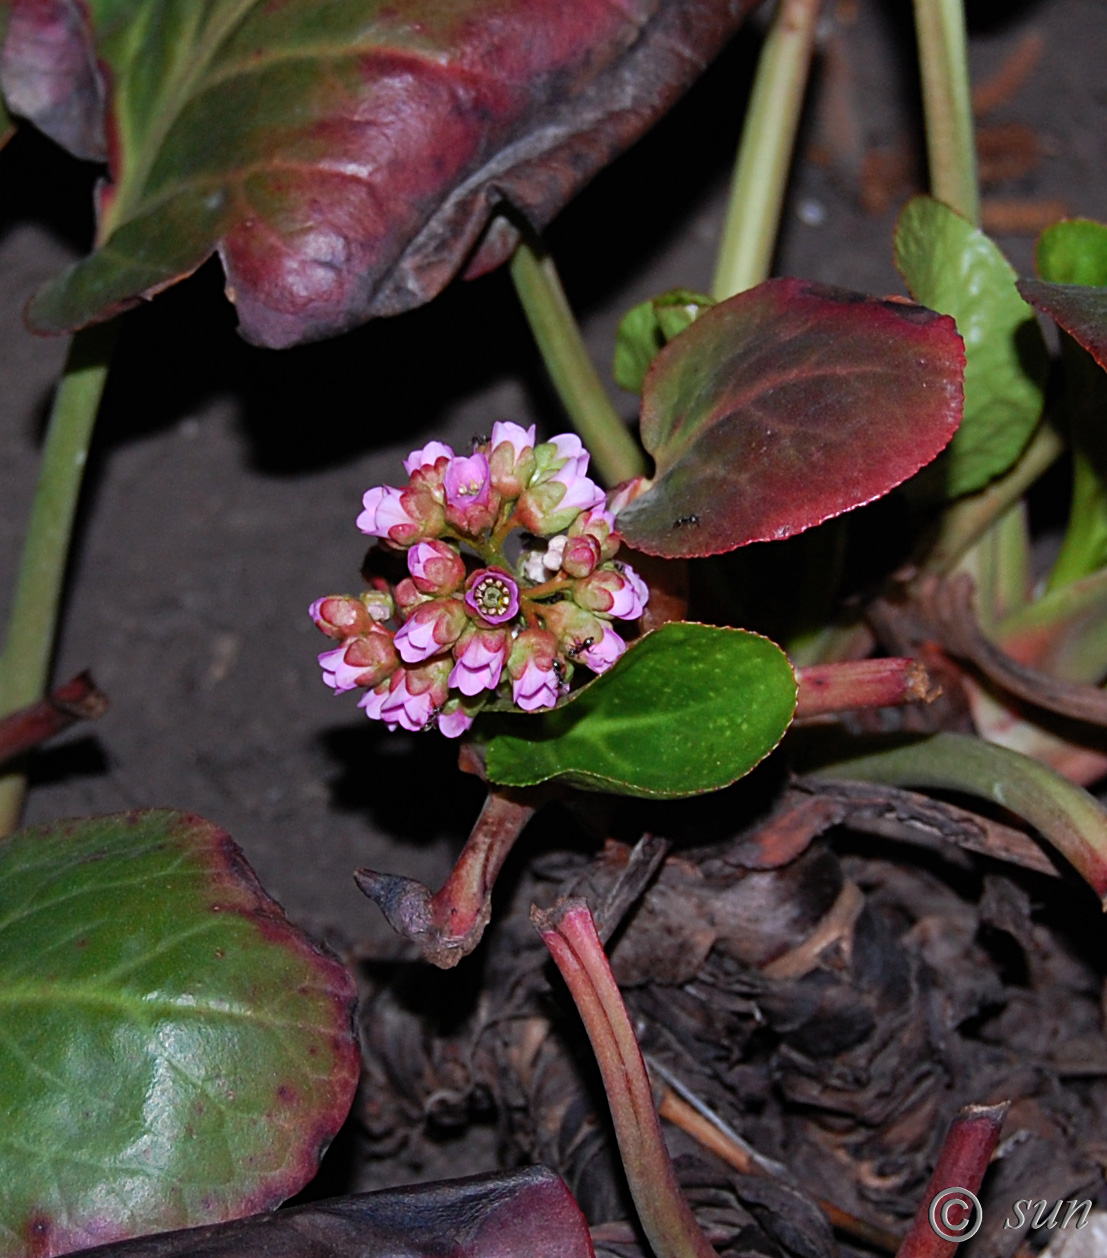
(468, 626)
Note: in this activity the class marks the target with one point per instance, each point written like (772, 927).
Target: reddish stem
(569, 932)
(77, 700)
(964, 1158)
(853, 684)
(448, 924)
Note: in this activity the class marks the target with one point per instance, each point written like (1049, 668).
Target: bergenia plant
(469, 626)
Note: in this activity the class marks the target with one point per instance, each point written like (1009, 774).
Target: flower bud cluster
(466, 626)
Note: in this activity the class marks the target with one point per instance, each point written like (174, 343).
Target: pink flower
(365, 660)
(580, 555)
(374, 701)
(519, 438)
(428, 456)
(453, 720)
(414, 696)
(602, 654)
(581, 494)
(402, 707)
(613, 591)
(339, 616)
(471, 504)
(536, 687)
(435, 567)
(384, 511)
(599, 524)
(559, 489)
(480, 662)
(430, 629)
(493, 595)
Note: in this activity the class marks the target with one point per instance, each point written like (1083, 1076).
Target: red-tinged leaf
(487, 1216)
(786, 405)
(344, 159)
(1080, 311)
(174, 1051)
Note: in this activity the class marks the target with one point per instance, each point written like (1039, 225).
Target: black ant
(682, 520)
(578, 648)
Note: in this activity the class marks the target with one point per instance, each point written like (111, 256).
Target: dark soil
(225, 480)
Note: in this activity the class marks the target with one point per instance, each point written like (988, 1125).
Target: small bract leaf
(645, 328)
(1081, 311)
(688, 709)
(784, 406)
(343, 158)
(953, 267)
(174, 1050)
(1073, 252)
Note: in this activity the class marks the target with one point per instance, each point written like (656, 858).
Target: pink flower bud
(378, 602)
(409, 596)
(559, 489)
(617, 591)
(602, 654)
(400, 516)
(536, 677)
(575, 629)
(340, 616)
(454, 719)
(492, 595)
(599, 524)
(580, 556)
(511, 461)
(471, 503)
(428, 456)
(480, 659)
(366, 660)
(430, 629)
(413, 698)
(435, 567)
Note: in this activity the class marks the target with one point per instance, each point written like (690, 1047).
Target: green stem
(765, 152)
(32, 624)
(968, 519)
(615, 453)
(947, 104)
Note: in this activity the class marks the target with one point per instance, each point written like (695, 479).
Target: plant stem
(947, 104)
(616, 454)
(967, 520)
(765, 151)
(569, 932)
(33, 621)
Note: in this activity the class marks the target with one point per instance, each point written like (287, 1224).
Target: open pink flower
(493, 595)
(471, 503)
(480, 661)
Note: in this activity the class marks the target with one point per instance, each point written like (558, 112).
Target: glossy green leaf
(688, 709)
(786, 405)
(951, 266)
(172, 1050)
(646, 328)
(343, 158)
(1073, 251)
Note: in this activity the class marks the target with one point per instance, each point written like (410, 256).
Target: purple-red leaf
(786, 405)
(1079, 310)
(488, 1216)
(344, 159)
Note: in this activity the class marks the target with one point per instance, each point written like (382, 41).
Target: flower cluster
(467, 626)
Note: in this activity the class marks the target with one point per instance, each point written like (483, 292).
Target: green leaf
(688, 709)
(953, 267)
(1073, 252)
(172, 1050)
(646, 328)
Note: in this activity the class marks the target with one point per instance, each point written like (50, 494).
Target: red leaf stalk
(853, 684)
(77, 700)
(569, 932)
(964, 1158)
